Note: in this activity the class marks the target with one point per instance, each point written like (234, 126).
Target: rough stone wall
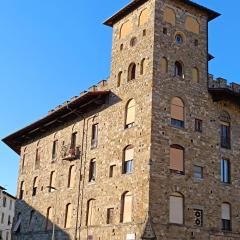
(113, 138)
(202, 149)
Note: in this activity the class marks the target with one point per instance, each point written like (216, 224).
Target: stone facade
(144, 41)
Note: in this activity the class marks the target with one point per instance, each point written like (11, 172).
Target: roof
(222, 93)
(2, 188)
(71, 110)
(137, 3)
(9, 195)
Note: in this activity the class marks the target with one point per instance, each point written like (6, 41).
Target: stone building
(7, 211)
(150, 153)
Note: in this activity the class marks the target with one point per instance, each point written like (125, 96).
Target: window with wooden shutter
(92, 170)
(176, 208)
(127, 207)
(177, 158)
(130, 113)
(177, 112)
(91, 212)
(226, 216)
(164, 65)
(68, 215)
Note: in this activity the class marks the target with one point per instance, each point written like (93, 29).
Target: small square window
(164, 30)
(112, 171)
(198, 125)
(144, 32)
(198, 172)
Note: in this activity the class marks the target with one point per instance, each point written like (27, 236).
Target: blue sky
(52, 50)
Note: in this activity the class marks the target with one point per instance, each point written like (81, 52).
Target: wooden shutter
(226, 211)
(176, 159)
(68, 215)
(176, 210)
(127, 214)
(130, 112)
(177, 109)
(91, 212)
(53, 183)
(129, 154)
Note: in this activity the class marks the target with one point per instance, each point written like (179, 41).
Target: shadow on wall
(30, 224)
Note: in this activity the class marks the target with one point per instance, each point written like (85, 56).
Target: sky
(53, 50)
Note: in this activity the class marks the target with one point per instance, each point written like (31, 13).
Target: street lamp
(53, 229)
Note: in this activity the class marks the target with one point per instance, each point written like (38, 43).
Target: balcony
(70, 153)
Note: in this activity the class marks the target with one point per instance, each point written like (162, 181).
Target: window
(192, 25)
(128, 159)
(143, 17)
(176, 208)
(133, 42)
(7, 235)
(195, 75)
(49, 219)
(23, 163)
(126, 209)
(94, 141)
(37, 159)
(225, 135)
(119, 79)
(198, 172)
(92, 170)
(2, 218)
(10, 205)
(226, 217)
(17, 227)
(225, 171)
(164, 65)
(74, 140)
(112, 171)
(131, 71)
(126, 28)
(21, 192)
(9, 220)
(177, 112)
(143, 67)
(35, 184)
(179, 70)
(54, 149)
(52, 183)
(91, 212)
(4, 201)
(169, 16)
(110, 215)
(31, 218)
(130, 113)
(68, 215)
(198, 125)
(198, 217)
(71, 176)
(177, 159)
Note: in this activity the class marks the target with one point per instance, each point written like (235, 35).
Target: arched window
(119, 81)
(71, 176)
(143, 66)
(225, 122)
(52, 182)
(195, 75)
(226, 216)
(131, 71)
(128, 159)
(68, 215)
(21, 191)
(130, 113)
(92, 170)
(126, 208)
(32, 213)
(91, 212)
(192, 25)
(49, 218)
(164, 65)
(125, 29)
(179, 69)
(35, 185)
(177, 112)
(176, 208)
(24, 154)
(143, 17)
(169, 16)
(177, 158)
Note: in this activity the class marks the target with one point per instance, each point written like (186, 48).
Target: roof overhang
(70, 111)
(137, 3)
(219, 94)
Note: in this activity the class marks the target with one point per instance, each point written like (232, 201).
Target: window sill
(226, 184)
(177, 127)
(128, 173)
(130, 126)
(176, 224)
(176, 172)
(91, 182)
(195, 179)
